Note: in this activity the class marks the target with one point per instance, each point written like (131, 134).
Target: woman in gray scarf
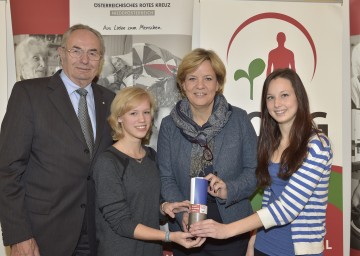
(205, 136)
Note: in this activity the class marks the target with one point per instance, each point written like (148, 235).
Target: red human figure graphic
(280, 57)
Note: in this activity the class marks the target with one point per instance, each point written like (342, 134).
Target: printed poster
(252, 38)
(145, 41)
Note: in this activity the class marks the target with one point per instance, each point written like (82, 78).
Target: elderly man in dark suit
(46, 198)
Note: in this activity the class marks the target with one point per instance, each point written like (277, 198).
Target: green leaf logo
(256, 68)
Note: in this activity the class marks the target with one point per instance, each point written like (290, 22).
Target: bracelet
(167, 237)
(162, 206)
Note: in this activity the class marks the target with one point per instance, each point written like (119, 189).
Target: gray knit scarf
(201, 136)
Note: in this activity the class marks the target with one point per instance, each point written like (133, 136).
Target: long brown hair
(270, 136)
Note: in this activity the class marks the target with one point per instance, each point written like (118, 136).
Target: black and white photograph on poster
(355, 142)
(36, 55)
(149, 62)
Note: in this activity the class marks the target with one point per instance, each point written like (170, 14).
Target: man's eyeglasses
(78, 53)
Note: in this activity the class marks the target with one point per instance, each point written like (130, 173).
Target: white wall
(7, 69)
(346, 136)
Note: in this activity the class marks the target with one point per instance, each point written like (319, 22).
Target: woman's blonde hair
(193, 60)
(125, 100)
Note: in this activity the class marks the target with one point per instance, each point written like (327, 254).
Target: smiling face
(281, 101)
(81, 70)
(136, 122)
(200, 87)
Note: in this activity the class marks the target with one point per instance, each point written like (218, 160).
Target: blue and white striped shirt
(304, 200)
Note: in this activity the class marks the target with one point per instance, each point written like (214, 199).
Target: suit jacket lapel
(61, 100)
(101, 112)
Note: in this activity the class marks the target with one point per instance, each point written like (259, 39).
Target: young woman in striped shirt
(294, 165)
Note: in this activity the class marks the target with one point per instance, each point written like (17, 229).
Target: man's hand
(25, 248)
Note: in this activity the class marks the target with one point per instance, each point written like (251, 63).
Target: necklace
(132, 153)
(139, 160)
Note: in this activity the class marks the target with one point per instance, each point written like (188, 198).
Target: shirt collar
(70, 86)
